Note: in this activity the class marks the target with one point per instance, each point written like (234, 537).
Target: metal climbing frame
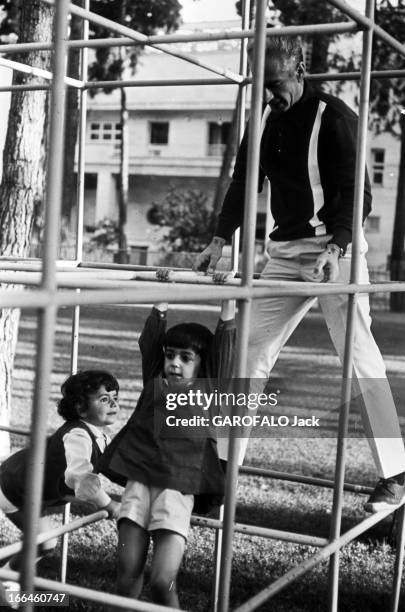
(100, 288)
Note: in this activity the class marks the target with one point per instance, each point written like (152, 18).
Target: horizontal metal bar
(99, 265)
(176, 293)
(264, 532)
(300, 478)
(35, 265)
(301, 569)
(155, 83)
(14, 430)
(13, 549)
(79, 278)
(28, 87)
(355, 76)
(24, 299)
(101, 597)
(39, 72)
(325, 76)
(321, 28)
(368, 23)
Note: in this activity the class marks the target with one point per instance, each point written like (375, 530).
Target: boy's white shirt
(79, 474)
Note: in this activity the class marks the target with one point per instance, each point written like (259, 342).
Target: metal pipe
(304, 567)
(74, 349)
(64, 545)
(354, 76)
(45, 74)
(84, 59)
(253, 158)
(217, 558)
(360, 173)
(142, 39)
(368, 23)
(399, 560)
(325, 76)
(13, 549)
(15, 430)
(85, 279)
(100, 597)
(47, 319)
(320, 28)
(242, 101)
(300, 478)
(263, 532)
(157, 83)
(176, 294)
(28, 87)
(241, 122)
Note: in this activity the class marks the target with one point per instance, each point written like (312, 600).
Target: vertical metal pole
(243, 70)
(352, 306)
(47, 316)
(269, 216)
(399, 560)
(79, 244)
(82, 139)
(217, 554)
(244, 305)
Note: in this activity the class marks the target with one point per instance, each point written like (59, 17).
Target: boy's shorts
(155, 508)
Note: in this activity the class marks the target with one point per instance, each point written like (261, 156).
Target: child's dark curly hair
(77, 388)
(194, 336)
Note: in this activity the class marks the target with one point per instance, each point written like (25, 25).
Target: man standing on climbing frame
(308, 152)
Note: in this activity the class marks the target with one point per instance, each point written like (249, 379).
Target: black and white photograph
(202, 305)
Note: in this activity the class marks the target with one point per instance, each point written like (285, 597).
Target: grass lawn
(308, 377)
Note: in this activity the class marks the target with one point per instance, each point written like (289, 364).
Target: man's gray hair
(287, 49)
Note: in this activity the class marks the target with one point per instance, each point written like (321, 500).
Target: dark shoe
(389, 493)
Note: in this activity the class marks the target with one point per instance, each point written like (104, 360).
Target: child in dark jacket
(166, 472)
(89, 401)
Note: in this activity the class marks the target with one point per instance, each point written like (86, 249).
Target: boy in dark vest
(89, 402)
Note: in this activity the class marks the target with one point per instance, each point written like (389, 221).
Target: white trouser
(274, 319)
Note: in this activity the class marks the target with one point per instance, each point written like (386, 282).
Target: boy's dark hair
(77, 388)
(194, 336)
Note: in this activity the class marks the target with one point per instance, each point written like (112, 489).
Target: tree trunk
(397, 266)
(21, 190)
(319, 55)
(223, 179)
(71, 124)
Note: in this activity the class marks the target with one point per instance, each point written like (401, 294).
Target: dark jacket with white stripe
(309, 155)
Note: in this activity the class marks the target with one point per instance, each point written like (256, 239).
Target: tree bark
(397, 265)
(22, 187)
(229, 153)
(319, 55)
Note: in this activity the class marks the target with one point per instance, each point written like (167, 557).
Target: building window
(218, 135)
(159, 132)
(377, 165)
(105, 130)
(373, 224)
